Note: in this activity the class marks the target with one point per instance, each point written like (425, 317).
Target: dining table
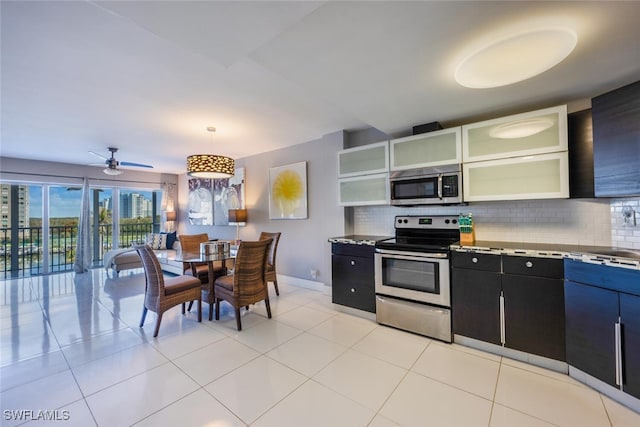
(209, 258)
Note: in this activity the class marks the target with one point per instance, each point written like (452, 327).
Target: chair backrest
(274, 246)
(250, 267)
(191, 242)
(152, 272)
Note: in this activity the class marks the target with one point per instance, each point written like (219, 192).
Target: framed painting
(200, 201)
(288, 191)
(228, 193)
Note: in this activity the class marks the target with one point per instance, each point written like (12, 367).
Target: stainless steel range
(412, 283)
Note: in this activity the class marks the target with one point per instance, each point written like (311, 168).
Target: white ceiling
(148, 77)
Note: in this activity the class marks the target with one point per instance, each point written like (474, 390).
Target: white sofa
(125, 259)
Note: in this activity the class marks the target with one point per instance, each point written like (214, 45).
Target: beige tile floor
(73, 347)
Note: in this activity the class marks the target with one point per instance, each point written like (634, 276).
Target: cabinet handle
(502, 325)
(529, 264)
(353, 290)
(618, 333)
(353, 262)
(474, 260)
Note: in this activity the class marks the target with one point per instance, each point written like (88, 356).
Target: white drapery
(83, 259)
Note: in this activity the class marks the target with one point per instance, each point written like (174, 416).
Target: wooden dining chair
(271, 261)
(162, 294)
(247, 285)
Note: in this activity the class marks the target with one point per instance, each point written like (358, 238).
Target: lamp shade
(210, 166)
(237, 215)
(170, 215)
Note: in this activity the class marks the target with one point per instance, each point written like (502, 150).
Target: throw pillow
(171, 239)
(157, 241)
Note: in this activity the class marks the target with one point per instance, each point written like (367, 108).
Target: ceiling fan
(112, 164)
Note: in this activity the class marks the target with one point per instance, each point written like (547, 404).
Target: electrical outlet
(314, 273)
(629, 216)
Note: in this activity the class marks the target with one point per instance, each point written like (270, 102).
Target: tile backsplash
(593, 222)
(625, 223)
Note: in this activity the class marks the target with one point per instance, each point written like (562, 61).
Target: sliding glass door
(39, 224)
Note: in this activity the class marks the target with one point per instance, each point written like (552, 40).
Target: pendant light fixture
(210, 165)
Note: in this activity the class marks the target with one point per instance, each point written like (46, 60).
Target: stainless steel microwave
(427, 186)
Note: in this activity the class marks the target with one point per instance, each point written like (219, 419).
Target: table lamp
(237, 217)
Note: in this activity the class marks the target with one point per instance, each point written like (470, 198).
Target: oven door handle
(440, 186)
(405, 254)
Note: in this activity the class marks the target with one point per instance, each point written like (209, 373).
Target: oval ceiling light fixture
(210, 165)
(520, 128)
(515, 58)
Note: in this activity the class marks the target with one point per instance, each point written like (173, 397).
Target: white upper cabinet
(367, 159)
(363, 175)
(364, 190)
(542, 176)
(535, 132)
(442, 147)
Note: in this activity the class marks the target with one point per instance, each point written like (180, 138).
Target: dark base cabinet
(630, 315)
(598, 297)
(352, 276)
(531, 293)
(475, 301)
(534, 315)
(591, 314)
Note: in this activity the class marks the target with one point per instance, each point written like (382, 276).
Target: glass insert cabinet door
(443, 147)
(536, 132)
(543, 176)
(364, 190)
(369, 159)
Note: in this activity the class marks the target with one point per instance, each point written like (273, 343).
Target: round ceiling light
(515, 58)
(521, 128)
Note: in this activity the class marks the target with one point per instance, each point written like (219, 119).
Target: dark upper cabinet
(616, 142)
(580, 138)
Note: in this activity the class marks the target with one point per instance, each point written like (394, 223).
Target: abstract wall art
(288, 191)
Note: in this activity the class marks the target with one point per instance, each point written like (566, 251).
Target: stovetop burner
(423, 234)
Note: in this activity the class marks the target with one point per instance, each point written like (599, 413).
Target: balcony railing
(28, 258)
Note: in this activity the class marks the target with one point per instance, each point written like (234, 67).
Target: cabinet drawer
(356, 295)
(603, 276)
(365, 251)
(532, 266)
(476, 261)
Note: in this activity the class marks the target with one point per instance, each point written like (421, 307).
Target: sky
(65, 203)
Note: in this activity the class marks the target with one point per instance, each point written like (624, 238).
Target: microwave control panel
(450, 186)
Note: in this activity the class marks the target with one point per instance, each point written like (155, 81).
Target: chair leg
(144, 315)
(190, 305)
(238, 321)
(275, 284)
(155, 333)
(266, 303)
(217, 309)
(211, 304)
(200, 310)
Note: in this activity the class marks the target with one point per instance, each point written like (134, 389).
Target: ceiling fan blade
(98, 155)
(97, 164)
(137, 165)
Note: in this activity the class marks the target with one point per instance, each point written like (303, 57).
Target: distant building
(5, 205)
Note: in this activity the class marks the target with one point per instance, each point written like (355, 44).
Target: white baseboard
(304, 283)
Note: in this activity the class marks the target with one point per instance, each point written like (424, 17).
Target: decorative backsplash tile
(625, 223)
(594, 222)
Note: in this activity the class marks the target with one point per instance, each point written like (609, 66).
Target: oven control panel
(427, 221)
